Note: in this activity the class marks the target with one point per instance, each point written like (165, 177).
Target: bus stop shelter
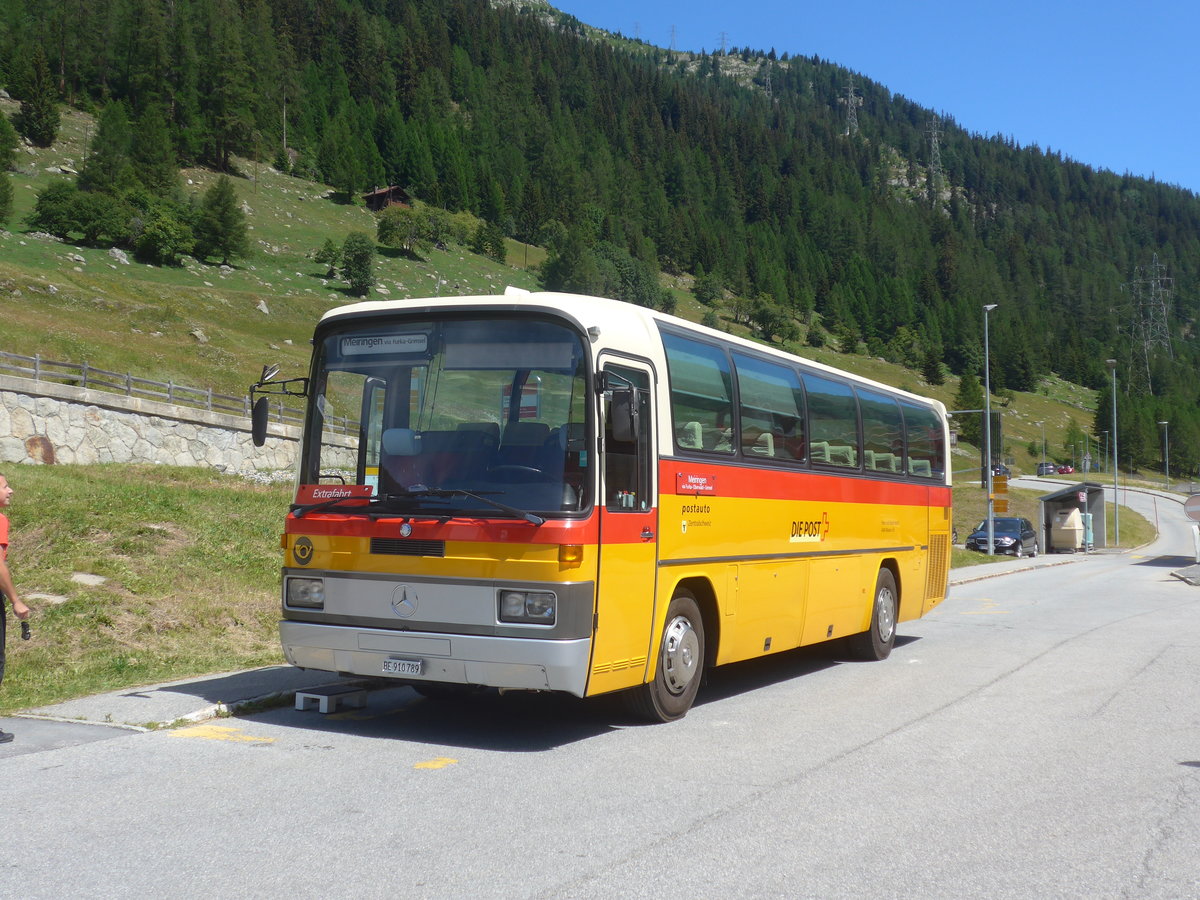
(1088, 498)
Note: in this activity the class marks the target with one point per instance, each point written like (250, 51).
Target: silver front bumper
(502, 662)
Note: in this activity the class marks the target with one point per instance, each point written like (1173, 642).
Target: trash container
(1067, 531)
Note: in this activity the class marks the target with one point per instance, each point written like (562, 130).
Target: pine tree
(108, 168)
(221, 229)
(8, 143)
(6, 199)
(225, 96)
(969, 396)
(931, 367)
(153, 157)
(38, 117)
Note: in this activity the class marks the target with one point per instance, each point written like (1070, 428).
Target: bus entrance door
(628, 543)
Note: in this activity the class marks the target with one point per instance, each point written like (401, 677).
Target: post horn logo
(302, 551)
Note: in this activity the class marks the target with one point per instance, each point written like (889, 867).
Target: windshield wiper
(529, 517)
(302, 509)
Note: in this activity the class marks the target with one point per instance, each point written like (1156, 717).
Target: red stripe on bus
(479, 530)
(787, 484)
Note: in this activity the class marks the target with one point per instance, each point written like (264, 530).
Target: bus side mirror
(623, 415)
(258, 422)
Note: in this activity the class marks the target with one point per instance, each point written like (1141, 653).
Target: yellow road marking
(440, 763)
(220, 733)
(989, 609)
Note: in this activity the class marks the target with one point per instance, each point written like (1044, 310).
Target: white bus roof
(612, 324)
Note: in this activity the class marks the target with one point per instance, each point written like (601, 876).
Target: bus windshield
(451, 416)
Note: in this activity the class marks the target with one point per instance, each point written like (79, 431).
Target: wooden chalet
(381, 198)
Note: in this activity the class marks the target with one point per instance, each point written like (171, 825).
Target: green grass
(191, 567)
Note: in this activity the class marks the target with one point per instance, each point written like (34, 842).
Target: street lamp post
(1166, 452)
(1043, 424)
(1112, 367)
(987, 431)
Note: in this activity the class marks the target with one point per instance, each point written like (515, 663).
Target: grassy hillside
(77, 303)
(212, 327)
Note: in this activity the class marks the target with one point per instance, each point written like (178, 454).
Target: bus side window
(772, 409)
(833, 421)
(926, 449)
(883, 432)
(701, 395)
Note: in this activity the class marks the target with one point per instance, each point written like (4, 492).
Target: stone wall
(42, 422)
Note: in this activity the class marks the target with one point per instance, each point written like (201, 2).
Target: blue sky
(1113, 85)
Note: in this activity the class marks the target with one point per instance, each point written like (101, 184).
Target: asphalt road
(1036, 736)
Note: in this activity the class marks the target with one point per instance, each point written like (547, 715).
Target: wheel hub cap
(681, 654)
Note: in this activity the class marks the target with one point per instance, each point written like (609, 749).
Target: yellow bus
(552, 492)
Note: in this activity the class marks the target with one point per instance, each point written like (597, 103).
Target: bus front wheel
(877, 641)
(680, 664)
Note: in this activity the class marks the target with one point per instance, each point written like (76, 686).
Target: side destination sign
(695, 484)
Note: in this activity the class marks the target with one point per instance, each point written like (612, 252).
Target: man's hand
(20, 610)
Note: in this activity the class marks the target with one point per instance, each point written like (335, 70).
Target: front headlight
(1005, 541)
(308, 593)
(528, 607)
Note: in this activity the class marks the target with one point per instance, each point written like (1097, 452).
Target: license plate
(402, 667)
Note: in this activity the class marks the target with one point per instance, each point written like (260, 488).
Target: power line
(935, 156)
(853, 102)
(1150, 293)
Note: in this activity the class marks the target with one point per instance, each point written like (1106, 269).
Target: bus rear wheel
(877, 641)
(680, 664)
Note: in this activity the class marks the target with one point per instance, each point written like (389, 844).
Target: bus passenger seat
(819, 451)
(842, 455)
(764, 445)
(490, 430)
(690, 436)
(921, 468)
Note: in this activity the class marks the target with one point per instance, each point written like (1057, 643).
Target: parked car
(1013, 536)
(1066, 469)
(1047, 469)
(1001, 469)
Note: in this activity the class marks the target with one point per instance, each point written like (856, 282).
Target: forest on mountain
(740, 167)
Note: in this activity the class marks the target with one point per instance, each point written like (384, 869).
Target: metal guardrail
(84, 375)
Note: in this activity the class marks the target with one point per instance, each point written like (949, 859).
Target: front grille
(402, 547)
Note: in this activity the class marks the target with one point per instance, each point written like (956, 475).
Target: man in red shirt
(20, 610)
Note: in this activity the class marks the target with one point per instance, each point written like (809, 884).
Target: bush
(330, 255)
(54, 210)
(358, 257)
(164, 239)
(405, 228)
